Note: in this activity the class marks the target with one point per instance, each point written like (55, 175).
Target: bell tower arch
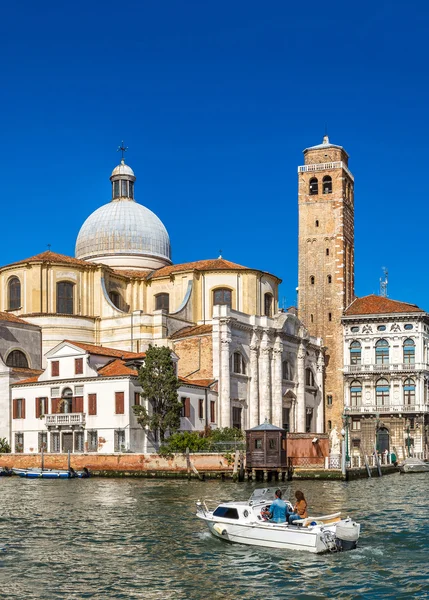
(326, 258)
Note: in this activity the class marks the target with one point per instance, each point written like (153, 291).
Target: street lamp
(346, 421)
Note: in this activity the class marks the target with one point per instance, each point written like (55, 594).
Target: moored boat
(36, 473)
(244, 523)
(414, 465)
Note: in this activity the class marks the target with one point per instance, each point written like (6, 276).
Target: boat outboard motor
(347, 534)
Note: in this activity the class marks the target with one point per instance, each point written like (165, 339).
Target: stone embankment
(204, 466)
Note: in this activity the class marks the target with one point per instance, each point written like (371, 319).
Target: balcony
(392, 409)
(338, 164)
(65, 421)
(386, 368)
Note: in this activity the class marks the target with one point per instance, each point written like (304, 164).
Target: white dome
(122, 169)
(124, 234)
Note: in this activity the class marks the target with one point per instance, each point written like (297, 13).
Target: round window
(354, 329)
(381, 328)
(408, 326)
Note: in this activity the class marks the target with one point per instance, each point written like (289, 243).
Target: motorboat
(5, 472)
(414, 465)
(36, 473)
(245, 523)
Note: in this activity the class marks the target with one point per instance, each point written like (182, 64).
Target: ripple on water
(112, 539)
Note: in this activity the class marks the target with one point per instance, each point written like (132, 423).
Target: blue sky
(216, 101)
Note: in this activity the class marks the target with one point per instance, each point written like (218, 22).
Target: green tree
(159, 386)
(4, 446)
(179, 442)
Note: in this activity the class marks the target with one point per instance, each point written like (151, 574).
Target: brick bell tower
(326, 259)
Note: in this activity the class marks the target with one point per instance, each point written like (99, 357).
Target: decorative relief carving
(367, 329)
(395, 327)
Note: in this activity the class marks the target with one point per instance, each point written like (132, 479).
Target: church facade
(122, 291)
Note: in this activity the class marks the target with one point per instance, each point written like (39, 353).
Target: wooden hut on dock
(266, 452)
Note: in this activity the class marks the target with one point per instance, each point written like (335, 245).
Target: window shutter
(92, 404)
(187, 407)
(119, 403)
(55, 368)
(78, 366)
(77, 404)
(46, 406)
(55, 405)
(37, 411)
(23, 408)
(14, 408)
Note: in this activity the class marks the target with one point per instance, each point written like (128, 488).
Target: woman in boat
(300, 508)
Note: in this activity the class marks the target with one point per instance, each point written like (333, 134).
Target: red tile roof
(103, 351)
(29, 380)
(49, 256)
(5, 316)
(197, 382)
(191, 331)
(216, 264)
(378, 305)
(116, 368)
(132, 273)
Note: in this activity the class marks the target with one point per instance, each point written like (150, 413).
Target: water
(115, 538)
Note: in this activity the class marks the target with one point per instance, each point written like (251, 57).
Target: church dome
(124, 234)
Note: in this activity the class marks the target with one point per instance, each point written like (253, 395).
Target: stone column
(319, 395)
(265, 379)
(254, 382)
(225, 395)
(300, 400)
(277, 400)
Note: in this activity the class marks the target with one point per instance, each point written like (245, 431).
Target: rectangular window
(236, 417)
(55, 368)
(42, 441)
(41, 408)
(77, 404)
(201, 408)
(78, 366)
(186, 407)
(212, 411)
(116, 189)
(286, 418)
(55, 441)
(92, 441)
(355, 424)
(78, 441)
(18, 408)
(19, 442)
(124, 191)
(92, 404)
(272, 444)
(329, 424)
(355, 443)
(119, 440)
(137, 399)
(329, 400)
(258, 444)
(119, 403)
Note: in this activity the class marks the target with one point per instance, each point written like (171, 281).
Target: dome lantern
(122, 179)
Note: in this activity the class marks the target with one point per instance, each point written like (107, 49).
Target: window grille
(119, 440)
(19, 442)
(55, 392)
(78, 390)
(92, 441)
(55, 441)
(42, 441)
(78, 441)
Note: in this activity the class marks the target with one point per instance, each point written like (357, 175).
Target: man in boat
(278, 511)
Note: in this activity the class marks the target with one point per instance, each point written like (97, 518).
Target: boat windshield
(262, 496)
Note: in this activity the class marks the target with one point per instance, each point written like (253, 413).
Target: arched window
(327, 251)
(268, 305)
(314, 186)
(355, 393)
(115, 298)
(222, 296)
(14, 294)
(16, 358)
(286, 371)
(409, 392)
(162, 302)
(238, 364)
(317, 223)
(327, 184)
(355, 353)
(65, 298)
(382, 392)
(382, 352)
(329, 278)
(309, 378)
(409, 349)
(312, 279)
(66, 404)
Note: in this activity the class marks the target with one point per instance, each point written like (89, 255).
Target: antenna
(383, 283)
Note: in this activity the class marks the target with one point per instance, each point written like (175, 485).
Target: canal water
(118, 538)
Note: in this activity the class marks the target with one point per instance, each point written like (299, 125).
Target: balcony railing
(391, 409)
(65, 420)
(337, 164)
(386, 368)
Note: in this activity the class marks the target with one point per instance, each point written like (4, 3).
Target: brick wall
(196, 357)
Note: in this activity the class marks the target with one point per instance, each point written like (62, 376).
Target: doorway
(67, 442)
(383, 440)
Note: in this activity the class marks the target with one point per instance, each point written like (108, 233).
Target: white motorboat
(244, 523)
(414, 465)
